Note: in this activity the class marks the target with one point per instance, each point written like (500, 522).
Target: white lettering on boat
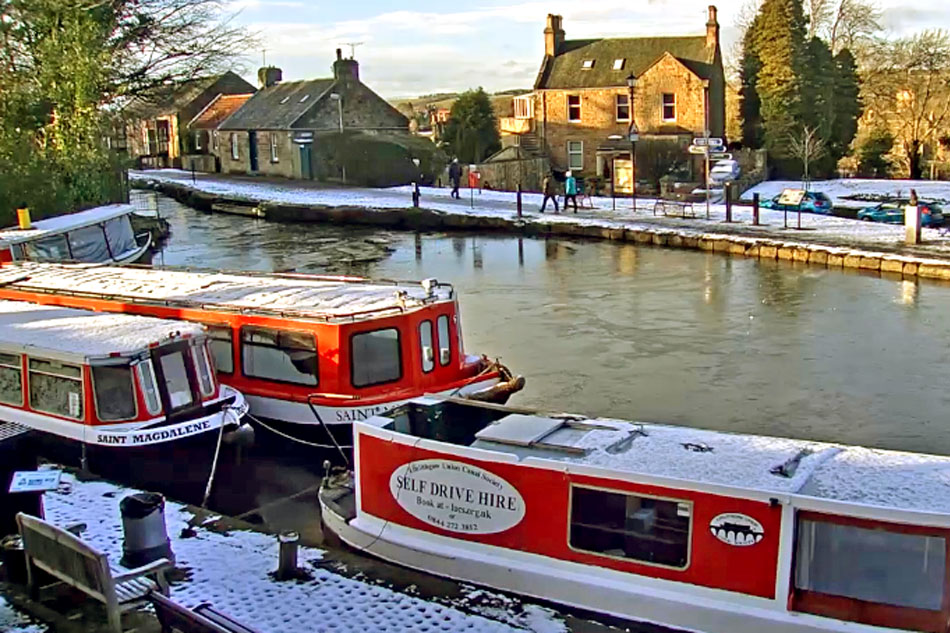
(457, 497)
(354, 415)
(151, 436)
(736, 529)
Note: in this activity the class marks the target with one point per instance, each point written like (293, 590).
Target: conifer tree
(848, 107)
(749, 104)
(471, 133)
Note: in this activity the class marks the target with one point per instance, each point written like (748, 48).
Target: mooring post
(755, 209)
(727, 189)
(519, 200)
(193, 180)
(415, 194)
(287, 558)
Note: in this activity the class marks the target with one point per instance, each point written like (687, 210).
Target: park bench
(70, 560)
(174, 618)
(673, 207)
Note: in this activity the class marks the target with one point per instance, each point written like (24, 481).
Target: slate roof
(565, 70)
(220, 108)
(174, 98)
(278, 107)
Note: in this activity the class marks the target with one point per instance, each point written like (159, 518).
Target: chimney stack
(269, 76)
(553, 35)
(345, 69)
(712, 28)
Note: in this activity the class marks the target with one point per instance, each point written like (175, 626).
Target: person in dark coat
(455, 176)
(549, 187)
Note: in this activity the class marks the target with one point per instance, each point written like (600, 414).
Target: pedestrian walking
(570, 190)
(455, 177)
(549, 186)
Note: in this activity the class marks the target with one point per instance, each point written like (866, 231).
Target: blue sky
(421, 46)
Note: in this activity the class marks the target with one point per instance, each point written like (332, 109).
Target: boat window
(375, 357)
(149, 387)
(279, 355)
(445, 345)
(629, 526)
(176, 379)
(870, 564)
(56, 388)
(205, 381)
(115, 398)
(121, 237)
(222, 349)
(88, 244)
(425, 342)
(11, 379)
(48, 249)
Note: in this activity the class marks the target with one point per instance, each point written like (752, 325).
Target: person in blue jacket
(570, 190)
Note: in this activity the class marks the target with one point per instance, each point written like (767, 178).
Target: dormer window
(304, 98)
(284, 100)
(587, 64)
(618, 64)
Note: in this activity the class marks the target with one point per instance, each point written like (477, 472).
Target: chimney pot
(712, 28)
(553, 35)
(269, 76)
(339, 54)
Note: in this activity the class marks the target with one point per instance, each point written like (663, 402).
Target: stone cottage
(580, 113)
(301, 129)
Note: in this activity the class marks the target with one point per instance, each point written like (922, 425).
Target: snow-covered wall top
(306, 295)
(63, 223)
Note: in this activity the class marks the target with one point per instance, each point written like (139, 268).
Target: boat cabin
(109, 379)
(348, 346)
(103, 234)
(692, 529)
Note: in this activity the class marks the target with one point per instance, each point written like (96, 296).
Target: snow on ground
(12, 621)
(232, 572)
(616, 213)
(839, 190)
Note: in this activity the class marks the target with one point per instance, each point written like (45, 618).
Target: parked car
(893, 213)
(812, 202)
(723, 171)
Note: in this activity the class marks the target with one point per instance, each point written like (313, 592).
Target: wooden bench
(175, 618)
(673, 207)
(71, 561)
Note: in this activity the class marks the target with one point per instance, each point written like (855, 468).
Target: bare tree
(807, 147)
(842, 23)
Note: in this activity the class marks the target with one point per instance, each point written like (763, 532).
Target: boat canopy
(96, 235)
(72, 335)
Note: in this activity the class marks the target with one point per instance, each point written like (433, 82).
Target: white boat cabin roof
(876, 477)
(80, 335)
(286, 294)
(63, 223)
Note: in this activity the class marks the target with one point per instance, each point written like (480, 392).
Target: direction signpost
(709, 147)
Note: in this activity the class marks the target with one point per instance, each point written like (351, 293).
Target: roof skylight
(284, 100)
(587, 64)
(304, 98)
(618, 64)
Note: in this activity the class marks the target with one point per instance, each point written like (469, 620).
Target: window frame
(316, 352)
(619, 63)
(634, 561)
(870, 613)
(402, 372)
(95, 391)
(274, 150)
(200, 357)
(214, 140)
(19, 368)
(427, 364)
(444, 318)
(197, 140)
(580, 153)
(664, 105)
(152, 379)
(580, 112)
(235, 153)
(618, 105)
(80, 380)
(588, 64)
(212, 329)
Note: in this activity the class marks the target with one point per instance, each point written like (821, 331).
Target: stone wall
(287, 164)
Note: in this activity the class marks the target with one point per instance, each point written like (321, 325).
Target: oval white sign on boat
(737, 529)
(457, 497)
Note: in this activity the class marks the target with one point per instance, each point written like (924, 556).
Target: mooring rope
(214, 462)
(295, 439)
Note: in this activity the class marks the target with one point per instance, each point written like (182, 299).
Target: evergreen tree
(819, 100)
(848, 107)
(471, 133)
(749, 104)
(872, 151)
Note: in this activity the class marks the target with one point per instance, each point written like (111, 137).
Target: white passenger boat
(110, 380)
(103, 234)
(691, 529)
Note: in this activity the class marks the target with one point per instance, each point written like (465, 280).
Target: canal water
(646, 333)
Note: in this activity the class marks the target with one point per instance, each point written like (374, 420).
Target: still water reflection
(651, 334)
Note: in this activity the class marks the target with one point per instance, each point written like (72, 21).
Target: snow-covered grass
(233, 572)
(841, 189)
(828, 230)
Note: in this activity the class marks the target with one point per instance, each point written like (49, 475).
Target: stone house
(283, 128)
(203, 131)
(155, 133)
(580, 113)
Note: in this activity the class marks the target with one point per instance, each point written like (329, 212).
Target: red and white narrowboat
(690, 529)
(346, 348)
(116, 381)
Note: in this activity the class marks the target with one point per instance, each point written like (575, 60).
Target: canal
(646, 333)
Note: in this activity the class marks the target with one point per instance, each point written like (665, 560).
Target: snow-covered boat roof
(291, 295)
(80, 335)
(876, 477)
(63, 223)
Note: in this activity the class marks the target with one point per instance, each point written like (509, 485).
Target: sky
(421, 46)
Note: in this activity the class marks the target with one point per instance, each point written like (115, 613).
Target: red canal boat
(304, 349)
(691, 529)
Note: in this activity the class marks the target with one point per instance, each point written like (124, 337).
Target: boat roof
(81, 335)
(285, 294)
(838, 472)
(63, 223)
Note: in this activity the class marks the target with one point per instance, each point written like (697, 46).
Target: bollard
(415, 194)
(287, 558)
(755, 209)
(143, 528)
(193, 180)
(23, 217)
(727, 190)
(519, 200)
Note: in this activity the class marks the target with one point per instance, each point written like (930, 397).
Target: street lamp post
(339, 101)
(632, 135)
